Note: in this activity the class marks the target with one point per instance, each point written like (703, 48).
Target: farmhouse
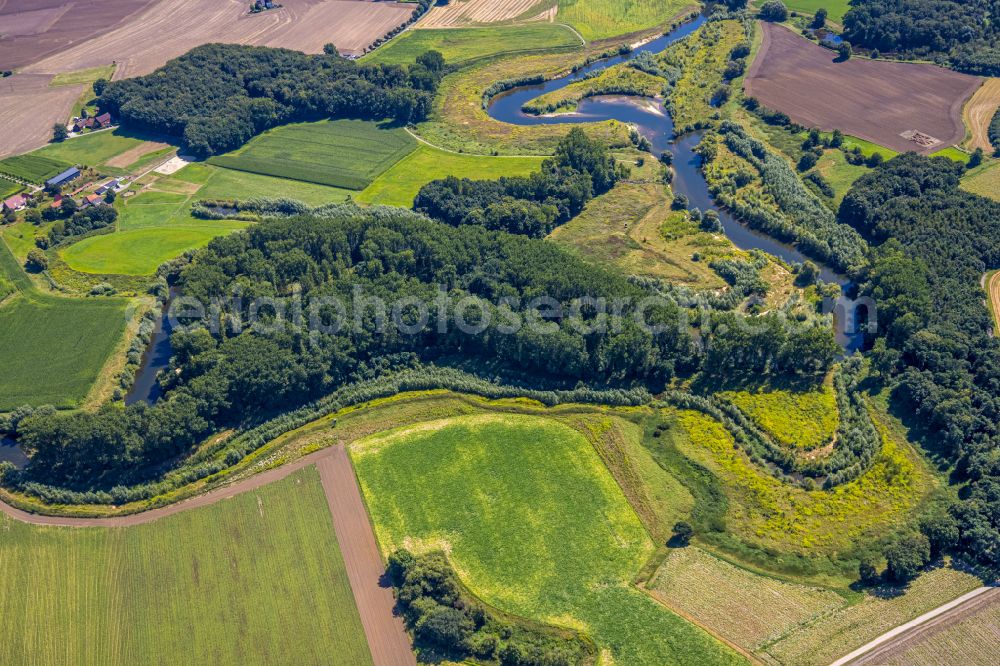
(82, 124)
(90, 200)
(63, 178)
(103, 120)
(16, 202)
(110, 185)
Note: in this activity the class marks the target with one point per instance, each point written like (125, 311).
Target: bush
(774, 10)
(683, 532)
(36, 261)
(907, 556)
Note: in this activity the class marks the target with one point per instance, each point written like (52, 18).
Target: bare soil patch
(979, 112)
(133, 155)
(470, 12)
(874, 100)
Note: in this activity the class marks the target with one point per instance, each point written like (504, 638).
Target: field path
(387, 637)
(993, 291)
(941, 617)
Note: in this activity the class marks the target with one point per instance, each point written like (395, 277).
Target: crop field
(984, 181)
(257, 574)
(399, 185)
(851, 627)
(978, 114)
(633, 227)
(9, 187)
(791, 521)
(52, 349)
(32, 168)
(341, 153)
(803, 419)
(971, 638)
(462, 45)
(82, 76)
(746, 608)
(601, 19)
(29, 108)
(877, 101)
(464, 12)
(534, 524)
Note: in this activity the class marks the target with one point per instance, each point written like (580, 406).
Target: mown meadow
(256, 577)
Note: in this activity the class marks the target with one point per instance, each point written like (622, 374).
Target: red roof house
(91, 199)
(103, 120)
(16, 202)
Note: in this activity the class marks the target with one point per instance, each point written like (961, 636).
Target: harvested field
(984, 181)
(877, 101)
(33, 29)
(133, 155)
(166, 29)
(993, 290)
(29, 108)
(153, 32)
(476, 11)
(979, 112)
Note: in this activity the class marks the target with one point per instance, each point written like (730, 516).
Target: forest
(532, 205)
(960, 33)
(936, 350)
(216, 97)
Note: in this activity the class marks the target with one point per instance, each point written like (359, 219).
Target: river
(647, 115)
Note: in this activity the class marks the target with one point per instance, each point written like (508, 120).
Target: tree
(330, 49)
(941, 530)
(774, 10)
(867, 571)
(807, 274)
(110, 196)
(819, 19)
(844, 52)
(875, 159)
(837, 139)
(59, 132)
(683, 532)
(37, 261)
(432, 60)
(807, 161)
(99, 86)
(976, 159)
(906, 556)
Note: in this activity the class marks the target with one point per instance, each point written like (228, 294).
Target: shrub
(774, 10)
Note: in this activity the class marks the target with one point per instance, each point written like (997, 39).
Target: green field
(984, 181)
(835, 8)
(141, 251)
(52, 349)
(461, 45)
(341, 153)
(533, 523)
(400, 184)
(91, 149)
(82, 76)
(9, 187)
(953, 153)
(600, 19)
(255, 578)
(32, 167)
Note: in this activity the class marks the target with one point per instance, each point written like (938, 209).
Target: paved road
(387, 637)
(895, 641)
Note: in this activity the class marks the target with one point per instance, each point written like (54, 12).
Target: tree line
(960, 33)
(216, 97)
(936, 349)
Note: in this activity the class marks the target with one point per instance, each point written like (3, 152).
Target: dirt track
(387, 637)
(874, 100)
(892, 649)
(993, 290)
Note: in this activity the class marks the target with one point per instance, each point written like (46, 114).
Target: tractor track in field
(387, 638)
